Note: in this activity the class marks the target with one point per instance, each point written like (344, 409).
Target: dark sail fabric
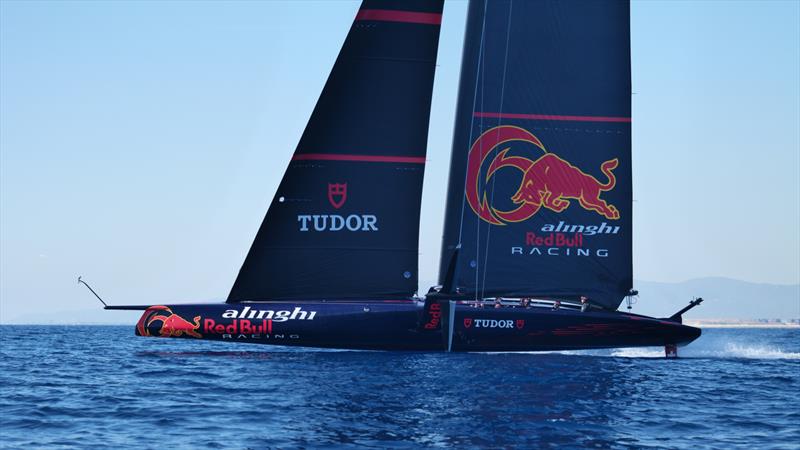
(539, 198)
(344, 222)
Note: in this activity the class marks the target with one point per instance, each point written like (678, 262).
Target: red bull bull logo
(548, 181)
(171, 324)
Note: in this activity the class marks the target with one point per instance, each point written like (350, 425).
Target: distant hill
(83, 316)
(724, 298)
(96, 316)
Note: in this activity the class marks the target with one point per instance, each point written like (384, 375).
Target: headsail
(539, 200)
(344, 222)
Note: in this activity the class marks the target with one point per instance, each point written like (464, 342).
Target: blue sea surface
(100, 386)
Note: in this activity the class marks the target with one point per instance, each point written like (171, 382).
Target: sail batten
(539, 198)
(344, 223)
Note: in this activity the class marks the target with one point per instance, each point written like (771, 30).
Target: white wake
(726, 350)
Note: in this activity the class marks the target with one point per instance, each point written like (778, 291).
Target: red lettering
(245, 327)
(434, 315)
(231, 329)
(554, 240)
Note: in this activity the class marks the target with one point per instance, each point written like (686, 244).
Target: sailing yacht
(537, 247)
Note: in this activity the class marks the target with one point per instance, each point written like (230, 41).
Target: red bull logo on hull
(548, 181)
(169, 324)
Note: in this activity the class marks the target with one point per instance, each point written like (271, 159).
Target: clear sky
(141, 142)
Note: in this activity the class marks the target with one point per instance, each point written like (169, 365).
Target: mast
(539, 196)
(344, 223)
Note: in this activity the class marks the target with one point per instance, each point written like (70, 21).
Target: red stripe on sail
(359, 158)
(496, 115)
(390, 15)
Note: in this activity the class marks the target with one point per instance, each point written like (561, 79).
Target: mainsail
(539, 199)
(344, 222)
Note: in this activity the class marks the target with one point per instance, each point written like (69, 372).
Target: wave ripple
(103, 387)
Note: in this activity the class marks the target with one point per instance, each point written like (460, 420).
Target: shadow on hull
(406, 325)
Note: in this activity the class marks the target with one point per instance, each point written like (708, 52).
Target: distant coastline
(741, 323)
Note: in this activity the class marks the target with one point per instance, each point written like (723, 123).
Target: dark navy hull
(404, 325)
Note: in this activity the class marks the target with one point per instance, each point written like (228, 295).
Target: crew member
(584, 303)
(556, 304)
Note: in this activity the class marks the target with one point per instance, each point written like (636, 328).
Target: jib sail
(539, 200)
(344, 221)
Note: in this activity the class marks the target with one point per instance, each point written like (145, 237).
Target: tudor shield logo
(467, 323)
(337, 194)
(322, 220)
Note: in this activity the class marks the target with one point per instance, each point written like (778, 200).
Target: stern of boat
(547, 329)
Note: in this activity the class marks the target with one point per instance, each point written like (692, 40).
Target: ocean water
(100, 386)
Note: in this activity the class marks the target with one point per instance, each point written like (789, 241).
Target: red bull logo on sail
(548, 181)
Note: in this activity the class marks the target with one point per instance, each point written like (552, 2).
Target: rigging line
(93, 292)
(499, 121)
(472, 122)
(482, 77)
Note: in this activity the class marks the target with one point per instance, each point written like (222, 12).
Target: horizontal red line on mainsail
(359, 158)
(496, 115)
(391, 15)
